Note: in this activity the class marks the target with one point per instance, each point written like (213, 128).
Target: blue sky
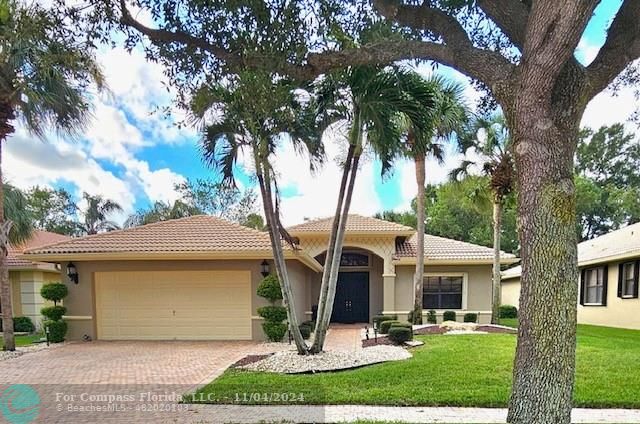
(134, 156)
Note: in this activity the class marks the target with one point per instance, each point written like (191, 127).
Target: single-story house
(27, 276)
(196, 277)
(608, 287)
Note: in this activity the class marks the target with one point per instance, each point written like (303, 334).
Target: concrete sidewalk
(351, 413)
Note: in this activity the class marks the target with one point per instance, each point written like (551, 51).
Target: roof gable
(443, 249)
(355, 224)
(38, 238)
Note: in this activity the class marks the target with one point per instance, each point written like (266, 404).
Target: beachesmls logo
(19, 404)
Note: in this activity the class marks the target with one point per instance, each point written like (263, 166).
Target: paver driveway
(73, 380)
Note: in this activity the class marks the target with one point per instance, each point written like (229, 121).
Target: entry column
(389, 287)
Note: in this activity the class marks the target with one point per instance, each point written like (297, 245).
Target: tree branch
(510, 15)
(620, 49)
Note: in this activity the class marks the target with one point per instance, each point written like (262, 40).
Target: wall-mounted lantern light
(264, 268)
(72, 272)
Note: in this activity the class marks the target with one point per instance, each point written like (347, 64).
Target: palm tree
(254, 114)
(446, 117)
(373, 102)
(16, 210)
(96, 215)
(44, 76)
(489, 138)
(161, 211)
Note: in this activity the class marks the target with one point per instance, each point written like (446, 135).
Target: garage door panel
(158, 305)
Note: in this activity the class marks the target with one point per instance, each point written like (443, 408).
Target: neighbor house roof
(440, 249)
(195, 237)
(38, 238)
(614, 246)
(357, 224)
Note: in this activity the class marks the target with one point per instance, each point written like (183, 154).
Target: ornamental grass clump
(274, 315)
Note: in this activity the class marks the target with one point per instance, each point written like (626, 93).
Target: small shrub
(431, 317)
(305, 330)
(273, 313)
(54, 292)
(57, 330)
(399, 335)
(379, 319)
(449, 316)
(53, 313)
(275, 331)
(269, 289)
(386, 325)
(470, 317)
(23, 325)
(310, 324)
(508, 311)
(402, 325)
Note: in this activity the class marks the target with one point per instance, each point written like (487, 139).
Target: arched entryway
(359, 286)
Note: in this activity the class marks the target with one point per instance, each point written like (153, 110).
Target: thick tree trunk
(420, 227)
(545, 139)
(322, 326)
(264, 181)
(496, 288)
(6, 115)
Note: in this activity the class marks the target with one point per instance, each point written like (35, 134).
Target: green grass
(509, 322)
(23, 340)
(470, 370)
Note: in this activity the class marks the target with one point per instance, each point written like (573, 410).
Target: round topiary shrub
(431, 317)
(269, 288)
(273, 313)
(508, 311)
(449, 316)
(23, 325)
(53, 313)
(386, 325)
(470, 317)
(275, 331)
(399, 335)
(54, 292)
(57, 330)
(305, 330)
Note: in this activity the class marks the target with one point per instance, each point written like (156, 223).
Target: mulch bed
(492, 329)
(250, 359)
(435, 329)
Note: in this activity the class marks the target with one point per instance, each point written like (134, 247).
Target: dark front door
(352, 298)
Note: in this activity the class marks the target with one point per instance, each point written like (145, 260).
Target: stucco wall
(623, 313)
(81, 305)
(511, 292)
(478, 289)
(25, 288)
(16, 300)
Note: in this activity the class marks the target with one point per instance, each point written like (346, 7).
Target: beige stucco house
(608, 287)
(196, 278)
(27, 276)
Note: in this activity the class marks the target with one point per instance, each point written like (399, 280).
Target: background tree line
(607, 190)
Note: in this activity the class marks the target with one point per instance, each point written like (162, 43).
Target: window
(594, 286)
(348, 259)
(442, 292)
(628, 280)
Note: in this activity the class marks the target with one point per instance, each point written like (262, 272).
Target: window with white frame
(442, 292)
(629, 279)
(594, 286)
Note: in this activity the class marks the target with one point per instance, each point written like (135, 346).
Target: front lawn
(24, 340)
(467, 370)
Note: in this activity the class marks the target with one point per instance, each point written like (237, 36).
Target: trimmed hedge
(399, 335)
(54, 292)
(57, 330)
(273, 313)
(379, 319)
(431, 317)
(269, 288)
(275, 331)
(508, 311)
(470, 317)
(449, 316)
(23, 325)
(53, 313)
(386, 325)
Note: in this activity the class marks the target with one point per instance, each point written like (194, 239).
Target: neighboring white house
(609, 271)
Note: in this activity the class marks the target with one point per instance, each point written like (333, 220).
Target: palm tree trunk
(325, 318)
(264, 180)
(5, 284)
(321, 325)
(496, 289)
(419, 274)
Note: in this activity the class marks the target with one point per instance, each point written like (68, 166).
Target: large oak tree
(521, 51)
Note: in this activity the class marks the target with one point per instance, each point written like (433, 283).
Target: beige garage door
(173, 305)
